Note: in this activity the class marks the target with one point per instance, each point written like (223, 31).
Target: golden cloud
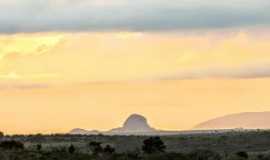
(117, 56)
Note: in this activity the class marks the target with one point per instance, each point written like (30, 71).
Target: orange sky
(53, 82)
(177, 104)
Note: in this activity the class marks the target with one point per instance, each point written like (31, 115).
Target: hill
(246, 120)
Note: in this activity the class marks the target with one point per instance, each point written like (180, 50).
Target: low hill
(246, 120)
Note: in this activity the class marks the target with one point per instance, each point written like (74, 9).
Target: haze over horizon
(91, 63)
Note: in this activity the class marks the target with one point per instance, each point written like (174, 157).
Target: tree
(242, 154)
(71, 149)
(108, 149)
(95, 147)
(39, 147)
(153, 145)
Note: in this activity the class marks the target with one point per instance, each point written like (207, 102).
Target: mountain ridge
(244, 120)
(134, 124)
(137, 124)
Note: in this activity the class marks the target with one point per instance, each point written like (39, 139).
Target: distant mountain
(134, 124)
(137, 124)
(78, 131)
(247, 120)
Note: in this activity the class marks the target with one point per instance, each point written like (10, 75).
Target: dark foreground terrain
(237, 145)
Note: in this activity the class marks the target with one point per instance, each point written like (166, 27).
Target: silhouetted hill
(247, 120)
(78, 131)
(134, 124)
(138, 125)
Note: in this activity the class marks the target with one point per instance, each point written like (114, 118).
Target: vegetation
(204, 155)
(225, 146)
(153, 145)
(71, 149)
(242, 154)
(39, 147)
(95, 148)
(11, 145)
(109, 149)
(1, 134)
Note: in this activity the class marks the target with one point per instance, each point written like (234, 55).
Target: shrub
(153, 145)
(260, 157)
(9, 145)
(108, 149)
(166, 156)
(242, 154)
(95, 147)
(39, 147)
(204, 155)
(132, 155)
(71, 149)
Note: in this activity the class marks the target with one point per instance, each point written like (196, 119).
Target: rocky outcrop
(134, 124)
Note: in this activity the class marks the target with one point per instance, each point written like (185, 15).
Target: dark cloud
(44, 16)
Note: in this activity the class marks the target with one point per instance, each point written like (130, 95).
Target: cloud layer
(126, 15)
(123, 56)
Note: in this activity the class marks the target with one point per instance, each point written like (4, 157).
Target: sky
(91, 63)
